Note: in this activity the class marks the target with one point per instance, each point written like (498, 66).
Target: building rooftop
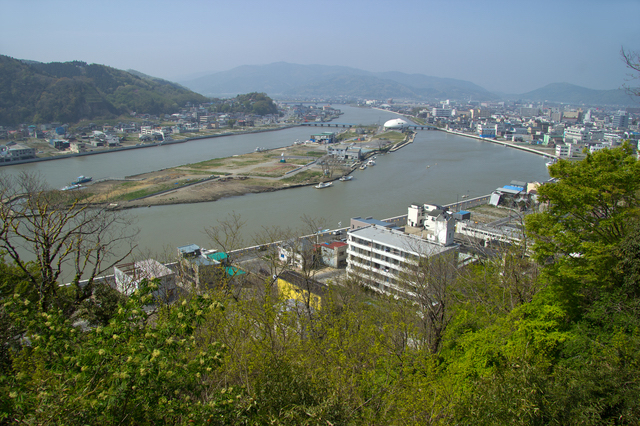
(400, 240)
(189, 249)
(313, 286)
(149, 268)
(372, 221)
(510, 190)
(336, 244)
(218, 256)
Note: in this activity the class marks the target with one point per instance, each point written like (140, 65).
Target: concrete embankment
(499, 142)
(409, 139)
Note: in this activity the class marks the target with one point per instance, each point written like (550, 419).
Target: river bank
(504, 143)
(261, 171)
(257, 172)
(143, 145)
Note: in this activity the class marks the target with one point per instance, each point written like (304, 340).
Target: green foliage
(72, 91)
(137, 369)
(527, 343)
(590, 209)
(250, 103)
(571, 355)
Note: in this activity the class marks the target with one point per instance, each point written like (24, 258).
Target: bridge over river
(349, 125)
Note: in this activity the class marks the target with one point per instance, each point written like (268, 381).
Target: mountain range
(284, 80)
(68, 92)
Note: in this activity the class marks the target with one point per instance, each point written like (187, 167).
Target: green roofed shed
(233, 271)
(218, 256)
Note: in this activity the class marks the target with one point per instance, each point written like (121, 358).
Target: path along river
(437, 167)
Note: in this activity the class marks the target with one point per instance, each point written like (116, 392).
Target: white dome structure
(396, 123)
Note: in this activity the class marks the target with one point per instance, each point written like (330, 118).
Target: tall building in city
(620, 120)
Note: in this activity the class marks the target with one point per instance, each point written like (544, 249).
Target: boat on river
(323, 185)
(363, 167)
(82, 179)
(71, 187)
(346, 178)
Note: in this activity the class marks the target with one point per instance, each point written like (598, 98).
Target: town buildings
(129, 277)
(15, 152)
(382, 257)
(301, 290)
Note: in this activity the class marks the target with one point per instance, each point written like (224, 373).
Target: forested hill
(250, 103)
(34, 92)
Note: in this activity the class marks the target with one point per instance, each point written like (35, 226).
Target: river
(437, 168)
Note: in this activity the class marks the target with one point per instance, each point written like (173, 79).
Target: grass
(127, 184)
(303, 177)
(149, 191)
(216, 162)
(276, 170)
(242, 163)
(392, 136)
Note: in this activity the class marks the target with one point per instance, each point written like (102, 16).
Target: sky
(511, 46)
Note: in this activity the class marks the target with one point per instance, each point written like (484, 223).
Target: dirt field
(214, 179)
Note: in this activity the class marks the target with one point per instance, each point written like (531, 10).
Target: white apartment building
(487, 233)
(577, 135)
(597, 147)
(441, 112)
(434, 219)
(382, 256)
(565, 150)
(614, 138)
(150, 131)
(16, 152)
(486, 130)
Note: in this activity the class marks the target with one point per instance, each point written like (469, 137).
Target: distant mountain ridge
(285, 80)
(572, 94)
(66, 92)
(292, 80)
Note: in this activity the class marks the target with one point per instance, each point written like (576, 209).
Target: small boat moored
(323, 185)
(82, 179)
(345, 178)
(71, 187)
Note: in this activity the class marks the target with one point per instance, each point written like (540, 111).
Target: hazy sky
(510, 46)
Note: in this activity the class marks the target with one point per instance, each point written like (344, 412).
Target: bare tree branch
(62, 236)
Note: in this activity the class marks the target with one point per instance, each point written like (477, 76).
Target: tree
(62, 236)
(429, 282)
(632, 61)
(137, 369)
(570, 355)
(590, 209)
(227, 237)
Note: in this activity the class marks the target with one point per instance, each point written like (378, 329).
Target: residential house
(129, 277)
(333, 254)
(297, 252)
(301, 290)
(195, 267)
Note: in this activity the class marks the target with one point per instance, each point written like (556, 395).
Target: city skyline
(502, 46)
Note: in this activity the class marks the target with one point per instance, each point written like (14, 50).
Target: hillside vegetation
(250, 103)
(33, 92)
(545, 333)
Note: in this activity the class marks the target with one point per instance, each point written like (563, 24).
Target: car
(337, 232)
